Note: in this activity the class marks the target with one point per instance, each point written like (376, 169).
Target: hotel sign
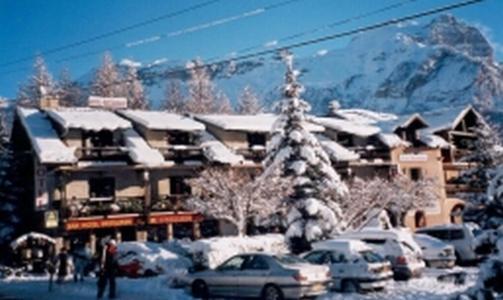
(99, 223)
(413, 157)
(173, 218)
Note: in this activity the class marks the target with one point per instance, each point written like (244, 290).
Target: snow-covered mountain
(407, 68)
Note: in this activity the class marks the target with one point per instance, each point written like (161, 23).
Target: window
(101, 189)
(316, 257)
(371, 257)
(233, 264)
(179, 138)
(103, 138)
(338, 258)
(178, 186)
(415, 174)
(256, 263)
(289, 259)
(256, 139)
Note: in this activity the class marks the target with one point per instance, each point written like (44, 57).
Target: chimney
(48, 101)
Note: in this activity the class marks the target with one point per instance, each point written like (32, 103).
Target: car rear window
(371, 257)
(375, 241)
(289, 259)
(446, 234)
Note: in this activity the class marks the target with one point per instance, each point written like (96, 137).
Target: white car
(458, 235)
(260, 275)
(353, 264)
(436, 253)
(395, 245)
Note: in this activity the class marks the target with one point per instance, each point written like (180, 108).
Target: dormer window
(100, 139)
(179, 138)
(256, 139)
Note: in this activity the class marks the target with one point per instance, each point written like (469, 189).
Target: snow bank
(214, 251)
(153, 257)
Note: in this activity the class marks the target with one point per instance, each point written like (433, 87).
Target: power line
(315, 40)
(329, 26)
(113, 32)
(187, 30)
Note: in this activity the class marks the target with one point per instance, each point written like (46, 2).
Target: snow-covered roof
(364, 116)
(390, 126)
(44, 138)
(358, 129)
(31, 235)
(447, 118)
(88, 119)
(336, 151)
(216, 151)
(433, 141)
(262, 123)
(139, 151)
(391, 140)
(162, 120)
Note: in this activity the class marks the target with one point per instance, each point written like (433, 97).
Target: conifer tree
(39, 84)
(68, 90)
(201, 98)
(313, 209)
(107, 82)
(248, 102)
(223, 104)
(133, 89)
(173, 97)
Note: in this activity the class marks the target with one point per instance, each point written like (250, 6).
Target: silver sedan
(260, 275)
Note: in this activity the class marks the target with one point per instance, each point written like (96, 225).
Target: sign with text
(413, 157)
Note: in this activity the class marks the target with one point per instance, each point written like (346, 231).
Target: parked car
(436, 254)
(353, 264)
(397, 246)
(459, 236)
(261, 275)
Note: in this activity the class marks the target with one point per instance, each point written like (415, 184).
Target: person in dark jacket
(63, 265)
(108, 270)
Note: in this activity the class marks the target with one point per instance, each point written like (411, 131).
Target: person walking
(81, 259)
(63, 265)
(108, 270)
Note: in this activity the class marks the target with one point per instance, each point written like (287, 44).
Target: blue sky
(28, 27)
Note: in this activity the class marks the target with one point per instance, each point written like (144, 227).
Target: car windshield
(371, 257)
(289, 259)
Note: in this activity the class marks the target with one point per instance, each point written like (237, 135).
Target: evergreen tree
(201, 90)
(107, 81)
(134, 89)
(313, 209)
(68, 90)
(223, 104)
(173, 98)
(39, 84)
(248, 102)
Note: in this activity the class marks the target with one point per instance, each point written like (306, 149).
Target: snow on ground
(426, 287)
(155, 288)
(30, 288)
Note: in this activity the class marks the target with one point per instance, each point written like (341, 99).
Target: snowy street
(426, 287)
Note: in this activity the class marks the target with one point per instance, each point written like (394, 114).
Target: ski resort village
(251, 149)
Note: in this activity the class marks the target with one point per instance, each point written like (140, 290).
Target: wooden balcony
(102, 153)
(104, 206)
(181, 153)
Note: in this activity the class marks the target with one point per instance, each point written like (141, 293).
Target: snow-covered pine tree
(313, 209)
(223, 104)
(39, 84)
(232, 194)
(106, 81)
(68, 90)
(249, 103)
(173, 97)
(133, 89)
(201, 98)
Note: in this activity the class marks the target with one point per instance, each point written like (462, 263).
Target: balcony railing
(181, 153)
(372, 154)
(256, 154)
(102, 153)
(169, 203)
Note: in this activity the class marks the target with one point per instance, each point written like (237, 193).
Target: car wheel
(271, 292)
(200, 289)
(350, 286)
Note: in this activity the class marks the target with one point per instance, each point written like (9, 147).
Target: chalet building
(108, 170)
